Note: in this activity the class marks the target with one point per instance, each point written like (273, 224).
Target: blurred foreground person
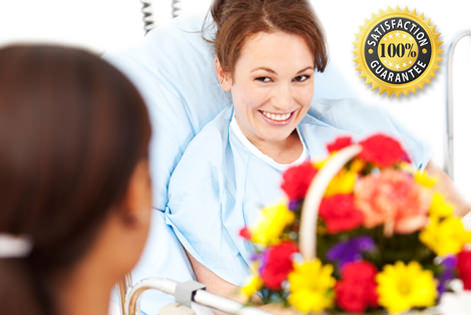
(75, 189)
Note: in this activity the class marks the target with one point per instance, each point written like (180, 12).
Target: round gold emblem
(397, 51)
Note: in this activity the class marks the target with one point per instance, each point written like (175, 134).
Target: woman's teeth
(276, 117)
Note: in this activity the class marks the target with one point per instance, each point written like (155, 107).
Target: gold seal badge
(397, 51)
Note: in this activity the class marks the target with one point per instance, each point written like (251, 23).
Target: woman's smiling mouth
(277, 118)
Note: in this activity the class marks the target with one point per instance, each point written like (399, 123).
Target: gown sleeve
(197, 199)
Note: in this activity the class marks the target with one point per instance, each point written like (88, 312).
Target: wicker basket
(309, 214)
(307, 230)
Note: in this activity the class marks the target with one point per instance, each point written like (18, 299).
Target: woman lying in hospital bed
(259, 116)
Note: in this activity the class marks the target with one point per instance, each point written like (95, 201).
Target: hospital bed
(449, 148)
(170, 82)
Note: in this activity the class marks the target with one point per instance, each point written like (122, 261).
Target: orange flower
(394, 199)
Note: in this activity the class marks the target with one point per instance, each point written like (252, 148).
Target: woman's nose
(283, 97)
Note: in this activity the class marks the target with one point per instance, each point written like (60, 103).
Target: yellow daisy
(357, 165)
(439, 207)
(445, 237)
(424, 180)
(401, 287)
(253, 284)
(342, 183)
(273, 221)
(311, 286)
(320, 163)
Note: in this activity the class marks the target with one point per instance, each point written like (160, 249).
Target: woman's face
(272, 85)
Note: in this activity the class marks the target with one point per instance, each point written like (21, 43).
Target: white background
(106, 25)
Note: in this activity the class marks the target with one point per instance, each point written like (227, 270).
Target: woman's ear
(224, 78)
(125, 233)
(138, 200)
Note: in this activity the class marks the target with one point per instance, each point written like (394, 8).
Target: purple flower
(448, 273)
(294, 205)
(351, 250)
(263, 258)
(255, 256)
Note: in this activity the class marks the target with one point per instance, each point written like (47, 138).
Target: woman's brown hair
(72, 130)
(237, 20)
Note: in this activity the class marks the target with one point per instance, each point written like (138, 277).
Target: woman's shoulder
(346, 113)
(201, 162)
(213, 137)
(204, 154)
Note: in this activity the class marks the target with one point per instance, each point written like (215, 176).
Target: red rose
(296, 180)
(356, 297)
(382, 150)
(359, 271)
(278, 262)
(245, 233)
(357, 290)
(339, 213)
(339, 144)
(463, 264)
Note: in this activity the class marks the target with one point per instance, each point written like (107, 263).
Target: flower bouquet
(361, 231)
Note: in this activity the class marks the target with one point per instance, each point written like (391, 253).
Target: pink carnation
(393, 198)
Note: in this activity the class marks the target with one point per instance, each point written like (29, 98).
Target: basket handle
(307, 230)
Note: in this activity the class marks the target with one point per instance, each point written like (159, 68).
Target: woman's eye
(302, 78)
(263, 79)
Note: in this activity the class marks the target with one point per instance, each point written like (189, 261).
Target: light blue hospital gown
(219, 186)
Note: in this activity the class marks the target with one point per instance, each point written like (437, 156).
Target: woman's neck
(85, 291)
(283, 152)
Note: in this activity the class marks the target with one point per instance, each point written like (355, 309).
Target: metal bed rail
(148, 14)
(449, 145)
(124, 286)
(185, 293)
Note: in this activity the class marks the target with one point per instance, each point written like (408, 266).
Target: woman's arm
(214, 283)
(448, 189)
(217, 285)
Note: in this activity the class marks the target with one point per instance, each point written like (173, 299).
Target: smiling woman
(266, 59)
(266, 55)
(272, 90)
